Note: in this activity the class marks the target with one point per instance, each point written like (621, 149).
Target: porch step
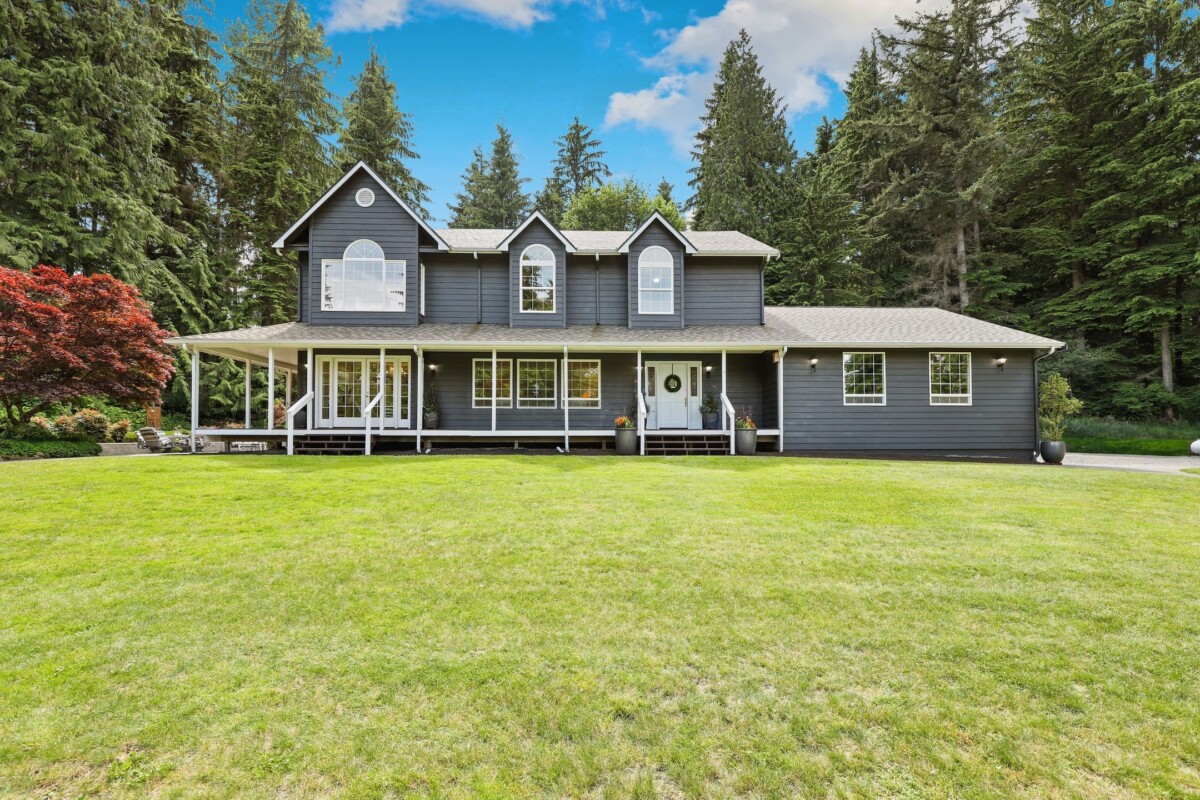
(331, 444)
(665, 444)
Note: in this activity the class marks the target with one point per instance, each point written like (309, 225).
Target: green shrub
(1138, 401)
(13, 448)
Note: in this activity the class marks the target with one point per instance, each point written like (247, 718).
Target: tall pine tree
(378, 132)
(743, 151)
(491, 196)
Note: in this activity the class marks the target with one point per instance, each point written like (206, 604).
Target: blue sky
(637, 72)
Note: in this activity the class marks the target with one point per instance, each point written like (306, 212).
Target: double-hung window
(537, 280)
(656, 281)
(950, 379)
(537, 383)
(482, 381)
(583, 383)
(362, 280)
(863, 379)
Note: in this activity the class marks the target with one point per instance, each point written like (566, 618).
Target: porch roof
(812, 327)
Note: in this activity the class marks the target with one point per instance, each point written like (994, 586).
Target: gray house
(541, 336)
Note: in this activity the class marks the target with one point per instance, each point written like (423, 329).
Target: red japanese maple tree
(68, 336)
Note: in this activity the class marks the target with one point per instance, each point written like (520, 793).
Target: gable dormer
(655, 253)
(358, 247)
(537, 260)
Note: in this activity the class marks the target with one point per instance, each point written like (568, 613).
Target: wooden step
(674, 445)
(331, 444)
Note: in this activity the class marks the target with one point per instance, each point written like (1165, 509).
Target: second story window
(363, 280)
(656, 281)
(537, 279)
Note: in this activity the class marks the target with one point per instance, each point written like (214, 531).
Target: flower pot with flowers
(745, 435)
(626, 430)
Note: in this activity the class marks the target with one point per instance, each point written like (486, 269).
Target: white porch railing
(642, 414)
(291, 419)
(367, 414)
(730, 419)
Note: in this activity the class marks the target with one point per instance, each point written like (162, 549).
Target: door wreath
(672, 383)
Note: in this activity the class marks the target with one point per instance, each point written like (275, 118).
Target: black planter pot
(627, 441)
(710, 420)
(1053, 452)
(431, 420)
(745, 441)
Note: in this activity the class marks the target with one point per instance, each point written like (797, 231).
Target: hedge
(12, 448)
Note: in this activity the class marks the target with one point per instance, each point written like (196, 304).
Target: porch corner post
(420, 412)
(270, 388)
(726, 401)
(382, 386)
(510, 378)
(566, 405)
(195, 395)
(247, 394)
(637, 410)
(287, 387)
(308, 389)
(779, 395)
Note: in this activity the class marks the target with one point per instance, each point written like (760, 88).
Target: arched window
(656, 281)
(537, 279)
(363, 280)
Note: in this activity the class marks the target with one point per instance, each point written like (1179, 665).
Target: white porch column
(510, 379)
(310, 369)
(270, 388)
(287, 387)
(566, 405)
(637, 409)
(195, 396)
(382, 384)
(724, 387)
(420, 405)
(779, 396)
(247, 395)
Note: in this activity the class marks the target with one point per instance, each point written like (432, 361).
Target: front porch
(529, 397)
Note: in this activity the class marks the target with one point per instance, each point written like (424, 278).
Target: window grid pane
(950, 378)
(583, 384)
(863, 378)
(483, 383)
(363, 281)
(536, 384)
(537, 279)
(656, 281)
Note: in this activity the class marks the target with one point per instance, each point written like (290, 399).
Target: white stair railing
(291, 419)
(367, 415)
(730, 419)
(642, 414)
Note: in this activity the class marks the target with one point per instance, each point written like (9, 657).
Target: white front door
(673, 394)
(347, 384)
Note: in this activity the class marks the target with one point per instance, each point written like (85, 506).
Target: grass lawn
(1133, 447)
(1092, 435)
(258, 627)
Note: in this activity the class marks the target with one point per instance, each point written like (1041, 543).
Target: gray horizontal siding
(451, 291)
(596, 291)
(341, 221)
(999, 419)
(723, 292)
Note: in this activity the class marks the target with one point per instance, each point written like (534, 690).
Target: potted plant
(1055, 404)
(430, 411)
(626, 435)
(708, 412)
(745, 435)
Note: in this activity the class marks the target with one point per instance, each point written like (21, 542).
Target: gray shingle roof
(793, 327)
(706, 242)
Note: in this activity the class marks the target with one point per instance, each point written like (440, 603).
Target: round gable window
(364, 197)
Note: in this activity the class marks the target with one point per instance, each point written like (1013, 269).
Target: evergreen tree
(617, 206)
(580, 164)
(552, 200)
(471, 209)
(279, 163)
(491, 195)
(743, 151)
(378, 132)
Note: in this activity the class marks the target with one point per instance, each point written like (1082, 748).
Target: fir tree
(743, 151)
(580, 163)
(280, 163)
(552, 200)
(377, 132)
(491, 196)
(470, 209)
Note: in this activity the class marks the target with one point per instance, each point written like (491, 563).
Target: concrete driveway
(1162, 464)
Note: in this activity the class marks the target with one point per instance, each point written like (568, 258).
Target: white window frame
(329, 265)
(951, 399)
(522, 402)
(552, 263)
(865, 399)
(421, 288)
(486, 401)
(583, 402)
(670, 291)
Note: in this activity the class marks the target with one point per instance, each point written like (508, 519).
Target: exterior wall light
(812, 363)
(433, 367)
(1001, 361)
(708, 369)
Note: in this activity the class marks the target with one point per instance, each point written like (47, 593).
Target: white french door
(347, 384)
(673, 394)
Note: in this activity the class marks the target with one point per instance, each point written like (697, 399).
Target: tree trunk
(1168, 359)
(1077, 275)
(960, 263)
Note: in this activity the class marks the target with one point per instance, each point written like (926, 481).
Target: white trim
(882, 397)
(567, 382)
(553, 264)
(486, 402)
(641, 289)
(688, 247)
(970, 395)
(270, 388)
(507, 240)
(364, 197)
(553, 383)
(391, 417)
(279, 243)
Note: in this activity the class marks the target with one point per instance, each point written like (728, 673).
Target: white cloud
(369, 15)
(800, 44)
